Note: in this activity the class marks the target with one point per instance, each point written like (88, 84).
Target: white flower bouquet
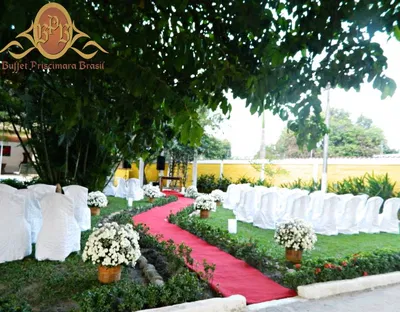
(152, 191)
(218, 195)
(97, 199)
(205, 202)
(191, 192)
(112, 245)
(295, 234)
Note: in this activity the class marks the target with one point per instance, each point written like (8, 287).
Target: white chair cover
(389, 221)
(362, 208)
(246, 208)
(229, 200)
(240, 200)
(15, 231)
(370, 222)
(340, 209)
(33, 212)
(121, 188)
(316, 204)
(109, 189)
(40, 190)
(7, 188)
(287, 213)
(79, 195)
(60, 234)
(300, 207)
(134, 190)
(347, 222)
(325, 224)
(266, 216)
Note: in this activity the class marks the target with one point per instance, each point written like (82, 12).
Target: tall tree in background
(346, 139)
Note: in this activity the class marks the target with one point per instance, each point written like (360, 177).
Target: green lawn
(326, 246)
(48, 285)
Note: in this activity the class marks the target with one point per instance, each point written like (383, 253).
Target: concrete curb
(321, 290)
(264, 306)
(236, 303)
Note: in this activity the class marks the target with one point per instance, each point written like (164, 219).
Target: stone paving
(385, 299)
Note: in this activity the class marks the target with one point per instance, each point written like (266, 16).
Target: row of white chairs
(125, 189)
(40, 215)
(329, 214)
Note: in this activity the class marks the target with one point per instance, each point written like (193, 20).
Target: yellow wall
(293, 171)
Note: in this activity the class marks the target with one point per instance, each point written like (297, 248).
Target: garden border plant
(308, 272)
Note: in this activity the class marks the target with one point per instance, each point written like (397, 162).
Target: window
(6, 151)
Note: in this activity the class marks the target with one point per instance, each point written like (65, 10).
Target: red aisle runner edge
(231, 276)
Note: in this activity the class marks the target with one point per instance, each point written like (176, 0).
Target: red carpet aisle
(232, 276)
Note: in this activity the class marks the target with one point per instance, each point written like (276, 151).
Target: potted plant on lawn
(205, 203)
(111, 246)
(152, 192)
(96, 200)
(191, 192)
(295, 235)
(218, 196)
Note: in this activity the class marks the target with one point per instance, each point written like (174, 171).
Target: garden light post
(324, 180)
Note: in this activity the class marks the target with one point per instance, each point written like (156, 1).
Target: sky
(243, 130)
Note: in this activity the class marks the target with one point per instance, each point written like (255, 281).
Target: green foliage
(332, 269)
(20, 184)
(166, 61)
(128, 296)
(214, 148)
(206, 183)
(14, 304)
(310, 185)
(370, 184)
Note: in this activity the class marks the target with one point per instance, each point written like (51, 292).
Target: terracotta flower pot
(107, 275)
(151, 199)
(294, 256)
(204, 214)
(95, 211)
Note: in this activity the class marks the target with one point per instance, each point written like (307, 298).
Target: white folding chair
(79, 195)
(370, 221)
(389, 220)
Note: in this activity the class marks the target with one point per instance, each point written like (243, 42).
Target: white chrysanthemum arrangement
(191, 192)
(112, 245)
(218, 195)
(296, 234)
(152, 191)
(97, 199)
(205, 202)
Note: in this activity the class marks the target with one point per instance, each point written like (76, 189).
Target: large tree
(346, 139)
(168, 58)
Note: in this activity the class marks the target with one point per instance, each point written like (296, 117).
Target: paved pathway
(385, 299)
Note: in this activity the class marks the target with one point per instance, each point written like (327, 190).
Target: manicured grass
(48, 285)
(326, 246)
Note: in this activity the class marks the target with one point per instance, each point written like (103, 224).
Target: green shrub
(14, 183)
(244, 180)
(206, 183)
(323, 270)
(310, 185)
(14, 304)
(128, 296)
(380, 185)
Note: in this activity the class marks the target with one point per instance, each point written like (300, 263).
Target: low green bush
(20, 184)
(128, 296)
(14, 304)
(206, 183)
(310, 185)
(323, 270)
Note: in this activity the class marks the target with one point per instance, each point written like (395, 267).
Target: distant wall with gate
(292, 169)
